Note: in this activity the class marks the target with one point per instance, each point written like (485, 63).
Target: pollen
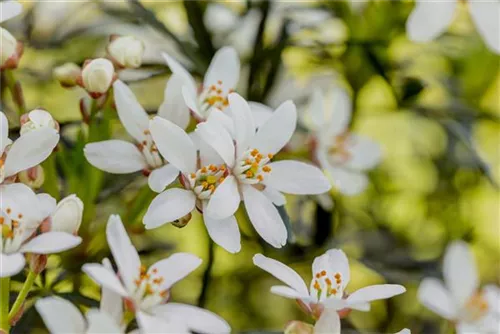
(328, 281)
(260, 178)
(333, 291)
(254, 152)
(154, 271)
(318, 275)
(266, 169)
(193, 175)
(20, 216)
(2, 219)
(249, 174)
(164, 294)
(270, 156)
(323, 273)
(337, 276)
(204, 170)
(9, 210)
(219, 82)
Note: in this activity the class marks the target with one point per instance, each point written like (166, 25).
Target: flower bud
(67, 216)
(37, 262)
(67, 74)
(37, 119)
(97, 77)
(32, 177)
(126, 51)
(298, 327)
(182, 222)
(11, 50)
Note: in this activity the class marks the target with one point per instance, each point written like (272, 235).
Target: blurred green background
(434, 108)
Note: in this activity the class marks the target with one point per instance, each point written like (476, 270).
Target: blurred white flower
(145, 291)
(98, 76)
(9, 9)
(21, 213)
(122, 157)
(27, 151)
(459, 299)
(327, 293)
(11, 50)
(67, 216)
(252, 177)
(343, 155)
(37, 119)
(126, 51)
(431, 18)
(9, 46)
(67, 74)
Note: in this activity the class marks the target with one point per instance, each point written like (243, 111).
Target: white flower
(430, 19)
(327, 293)
(97, 76)
(200, 179)
(9, 46)
(252, 177)
(343, 155)
(145, 291)
(67, 216)
(127, 51)
(220, 80)
(459, 299)
(27, 151)
(121, 157)
(37, 119)
(67, 74)
(9, 9)
(21, 212)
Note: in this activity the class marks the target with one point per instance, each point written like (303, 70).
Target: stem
(4, 303)
(207, 277)
(15, 91)
(21, 297)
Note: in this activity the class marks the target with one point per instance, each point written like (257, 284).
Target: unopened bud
(37, 119)
(126, 51)
(32, 177)
(67, 74)
(298, 327)
(11, 50)
(37, 262)
(67, 216)
(97, 77)
(182, 222)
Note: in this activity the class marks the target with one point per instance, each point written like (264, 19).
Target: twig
(207, 275)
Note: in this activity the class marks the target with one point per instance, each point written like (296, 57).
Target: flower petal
(274, 196)
(9, 9)
(459, 272)
(115, 156)
(225, 200)
(111, 302)
(51, 242)
(174, 144)
(375, 292)
(19, 199)
(218, 138)
(287, 292)
(101, 322)
(282, 272)
(264, 217)
(30, 149)
(314, 115)
(486, 17)
(429, 19)
(67, 216)
(364, 153)
(4, 130)
(105, 277)
(244, 125)
(47, 204)
(60, 316)
(224, 67)
(433, 295)
(11, 264)
(298, 178)
(224, 232)
(149, 324)
(261, 113)
(174, 107)
(273, 135)
(328, 322)
(333, 262)
(161, 177)
(190, 99)
(337, 110)
(169, 206)
(181, 72)
(125, 255)
(348, 182)
(132, 115)
(197, 319)
(175, 268)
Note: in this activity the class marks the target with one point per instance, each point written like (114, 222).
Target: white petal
(125, 255)
(9, 9)
(315, 114)
(225, 66)
(348, 182)
(261, 113)
(274, 196)
(161, 177)
(175, 268)
(169, 206)
(218, 138)
(333, 262)
(244, 125)
(11, 264)
(149, 324)
(51, 242)
(174, 144)
(105, 277)
(132, 115)
(364, 153)
(190, 99)
(328, 323)
(115, 156)
(337, 110)
(221, 117)
(4, 131)
(433, 295)
(429, 19)
(21, 200)
(180, 71)
(100, 322)
(459, 272)
(47, 204)
(298, 178)
(486, 16)
(67, 217)
(173, 107)
(287, 292)
(264, 217)
(225, 200)
(282, 272)
(30, 149)
(404, 331)
(224, 232)
(111, 302)
(207, 154)
(60, 316)
(492, 295)
(197, 319)
(375, 292)
(273, 135)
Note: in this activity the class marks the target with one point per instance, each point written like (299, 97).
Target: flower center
(475, 308)
(149, 290)
(339, 149)
(11, 232)
(150, 151)
(206, 180)
(213, 96)
(252, 167)
(327, 285)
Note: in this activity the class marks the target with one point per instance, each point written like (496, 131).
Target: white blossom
(98, 76)
(67, 216)
(127, 51)
(67, 74)
(37, 119)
